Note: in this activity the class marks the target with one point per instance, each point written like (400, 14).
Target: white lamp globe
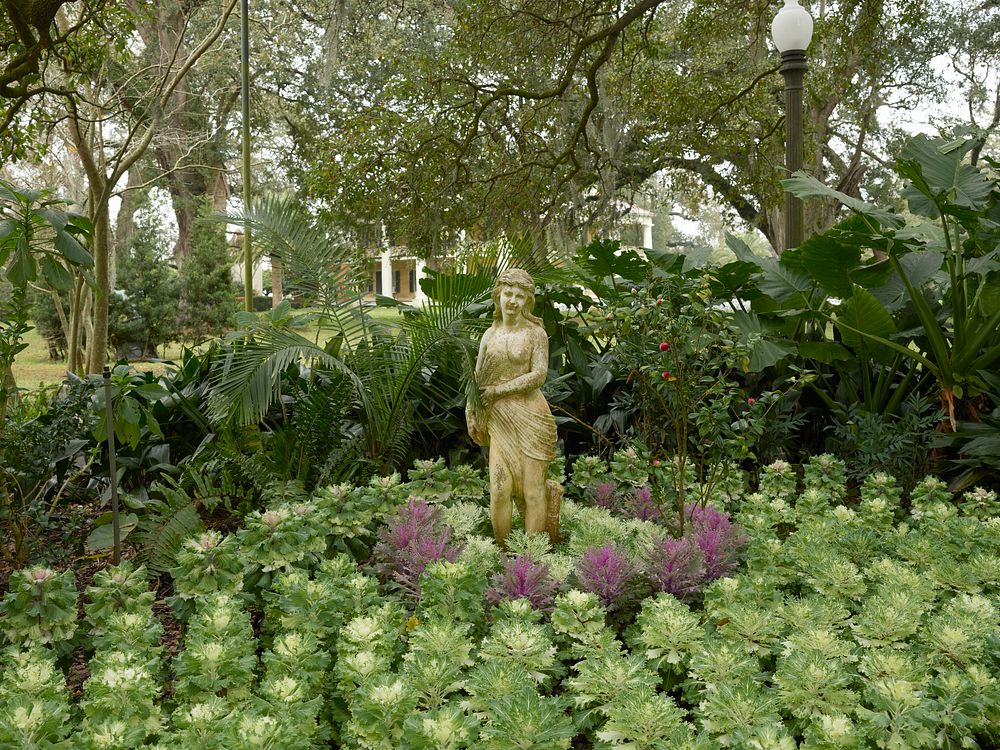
(792, 28)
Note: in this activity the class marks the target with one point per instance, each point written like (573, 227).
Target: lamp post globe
(791, 31)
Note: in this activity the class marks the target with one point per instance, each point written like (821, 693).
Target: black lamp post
(791, 31)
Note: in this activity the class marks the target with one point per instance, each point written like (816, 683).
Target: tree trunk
(277, 289)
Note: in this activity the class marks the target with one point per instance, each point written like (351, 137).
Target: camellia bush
(794, 614)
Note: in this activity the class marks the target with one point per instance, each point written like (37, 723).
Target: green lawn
(33, 368)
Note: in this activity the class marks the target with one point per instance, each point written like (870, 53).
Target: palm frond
(316, 263)
(246, 384)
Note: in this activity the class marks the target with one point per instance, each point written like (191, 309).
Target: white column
(387, 273)
(418, 293)
(647, 234)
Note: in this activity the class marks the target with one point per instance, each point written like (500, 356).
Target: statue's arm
(474, 416)
(535, 377)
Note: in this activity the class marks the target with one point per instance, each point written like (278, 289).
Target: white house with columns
(396, 271)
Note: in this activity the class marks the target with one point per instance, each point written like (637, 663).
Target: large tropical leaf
(780, 282)
(941, 178)
(919, 267)
(830, 262)
(764, 350)
(862, 320)
(803, 185)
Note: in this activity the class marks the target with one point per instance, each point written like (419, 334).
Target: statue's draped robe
(519, 425)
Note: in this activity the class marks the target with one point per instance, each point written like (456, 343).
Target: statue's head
(521, 279)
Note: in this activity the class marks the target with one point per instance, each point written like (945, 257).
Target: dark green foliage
(208, 293)
(898, 444)
(142, 314)
(41, 437)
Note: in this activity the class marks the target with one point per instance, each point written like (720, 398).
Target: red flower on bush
(666, 374)
(664, 346)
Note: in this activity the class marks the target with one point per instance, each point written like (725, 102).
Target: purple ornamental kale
(410, 540)
(719, 539)
(606, 574)
(640, 505)
(522, 578)
(605, 496)
(676, 566)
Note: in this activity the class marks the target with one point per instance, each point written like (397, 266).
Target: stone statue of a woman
(512, 417)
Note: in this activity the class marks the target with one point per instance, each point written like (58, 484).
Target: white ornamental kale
(588, 471)
(219, 653)
(778, 481)
(274, 539)
(592, 527)
(34, 700)
(453, 591)
(378, 712)
(440, 652)
(888, 617)
(527, 720)
(39, 607)
(465, 519)
(295, 654)
(367, 648)
(578, 622)
(811, 684)
(603, 678)
(482, 555)
(644, 719)
(297, 602)
(737, 710)
(120, 701)
(825, 475)
(446, 728)
(667, 632)
(207, 564)
(123, 588)
(525, 643)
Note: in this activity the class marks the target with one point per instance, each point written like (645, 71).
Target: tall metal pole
(116, 552)
(245, 76)
(793, 68)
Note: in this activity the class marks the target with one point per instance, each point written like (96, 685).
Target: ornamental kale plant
(676, 566)
(39, 607)
(207, 564)
(34, 700)
(609, 575)
(718, 539)
(522, 578)
(115, 591)
(411, 539)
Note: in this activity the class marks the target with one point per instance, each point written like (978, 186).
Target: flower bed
(804, 620)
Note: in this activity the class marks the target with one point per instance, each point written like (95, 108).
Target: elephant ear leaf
(941, 181)
(803, 185)
(862, 321)
(830, 263)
